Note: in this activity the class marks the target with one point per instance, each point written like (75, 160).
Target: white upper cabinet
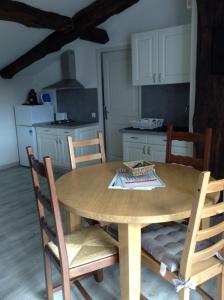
(144, 57)
(161, 56)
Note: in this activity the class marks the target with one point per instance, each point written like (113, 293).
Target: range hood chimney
(68, 71)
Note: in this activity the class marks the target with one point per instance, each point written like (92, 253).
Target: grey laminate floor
(21, 263)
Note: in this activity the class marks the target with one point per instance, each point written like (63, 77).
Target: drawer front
(46, 130)
(65, 132)
(135, 138)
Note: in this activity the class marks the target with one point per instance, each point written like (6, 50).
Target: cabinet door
(156, 153)
(63, 151)
(174, 54)
(134, 151)
(48, 146)
(144, 58)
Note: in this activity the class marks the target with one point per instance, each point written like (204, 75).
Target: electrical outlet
(93, 115)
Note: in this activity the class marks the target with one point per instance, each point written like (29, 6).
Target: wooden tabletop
(85, 192)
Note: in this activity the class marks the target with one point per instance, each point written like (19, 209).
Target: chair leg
(48, 276)
(184, 294)
(98, 275)
(66, 288)
(220, 285)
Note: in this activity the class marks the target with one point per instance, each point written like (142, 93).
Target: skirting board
(15, 164)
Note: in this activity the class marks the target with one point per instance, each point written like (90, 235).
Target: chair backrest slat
(213, 210)
(73, 145)
(208, 252)
(84, 143)
(186, 160)
(210, 232)
(50, 232)
(44, 200)
(194, 235)
(88, 157)
(195, 138)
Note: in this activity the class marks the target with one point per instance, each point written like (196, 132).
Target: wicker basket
(141, 170)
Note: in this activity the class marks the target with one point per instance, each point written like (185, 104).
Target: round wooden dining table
(84, 192)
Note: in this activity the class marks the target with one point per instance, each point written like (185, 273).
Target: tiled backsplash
(79, 104)
(168, 101)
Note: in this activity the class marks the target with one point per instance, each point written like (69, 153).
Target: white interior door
(121, 99)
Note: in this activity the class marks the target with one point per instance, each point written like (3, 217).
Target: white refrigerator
(26, 116)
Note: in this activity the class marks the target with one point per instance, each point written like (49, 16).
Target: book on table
(125, 180)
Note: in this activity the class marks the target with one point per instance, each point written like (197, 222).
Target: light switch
(93, 115)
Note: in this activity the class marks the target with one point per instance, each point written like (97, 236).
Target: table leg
(72, 221)
(130, 260)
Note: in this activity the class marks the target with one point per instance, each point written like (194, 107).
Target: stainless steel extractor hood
(68, 71)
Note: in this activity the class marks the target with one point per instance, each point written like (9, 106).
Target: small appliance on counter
(60, 116)
(26, 116)
(147, 123)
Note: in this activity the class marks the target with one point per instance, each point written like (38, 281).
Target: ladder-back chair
(85, 251)
(73, 145)
(189, 256)
(201, 138)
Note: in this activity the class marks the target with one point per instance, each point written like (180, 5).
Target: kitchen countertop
(71, 125)
(156, 131)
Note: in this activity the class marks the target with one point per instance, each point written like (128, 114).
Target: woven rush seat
(86, 245)
(165, 242)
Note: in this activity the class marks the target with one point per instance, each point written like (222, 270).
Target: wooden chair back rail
(38, 167)
(215, 186)
(84, 143)
(186, 160)
(45, 201)
(205, 139)
(208, 252)
(73, 145)
(50, 232)
(210, 232)
(213, 210)
(188, 137)
(89, 157)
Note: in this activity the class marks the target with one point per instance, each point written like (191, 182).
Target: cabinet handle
(67, 132)
(56, 140)
(134, 137)
(154, 77)
(160, 77)
(149, 151)
(46, 130)
(143, 150)
(59, 141)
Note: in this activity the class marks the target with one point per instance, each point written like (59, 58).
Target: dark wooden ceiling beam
(96, 35)
(33, 17)
(83, 22)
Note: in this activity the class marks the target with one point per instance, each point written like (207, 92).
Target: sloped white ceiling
(16, 39)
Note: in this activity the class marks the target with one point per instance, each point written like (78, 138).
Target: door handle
(149, 151)
(56, 140)
(154, 77)
(105, 112)
(160, 77)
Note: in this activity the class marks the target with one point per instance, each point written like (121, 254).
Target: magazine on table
(125, 180)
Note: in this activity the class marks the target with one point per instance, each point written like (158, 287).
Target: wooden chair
(201, 138)
(73, 145)
(196, 258)
(75, 255)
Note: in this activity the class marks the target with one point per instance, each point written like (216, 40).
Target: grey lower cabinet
(151, 147)
(53, 142)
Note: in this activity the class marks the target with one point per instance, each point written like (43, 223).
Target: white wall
(145, 15)
(12, 92)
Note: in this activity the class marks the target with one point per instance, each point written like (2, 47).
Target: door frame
(99, 70)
